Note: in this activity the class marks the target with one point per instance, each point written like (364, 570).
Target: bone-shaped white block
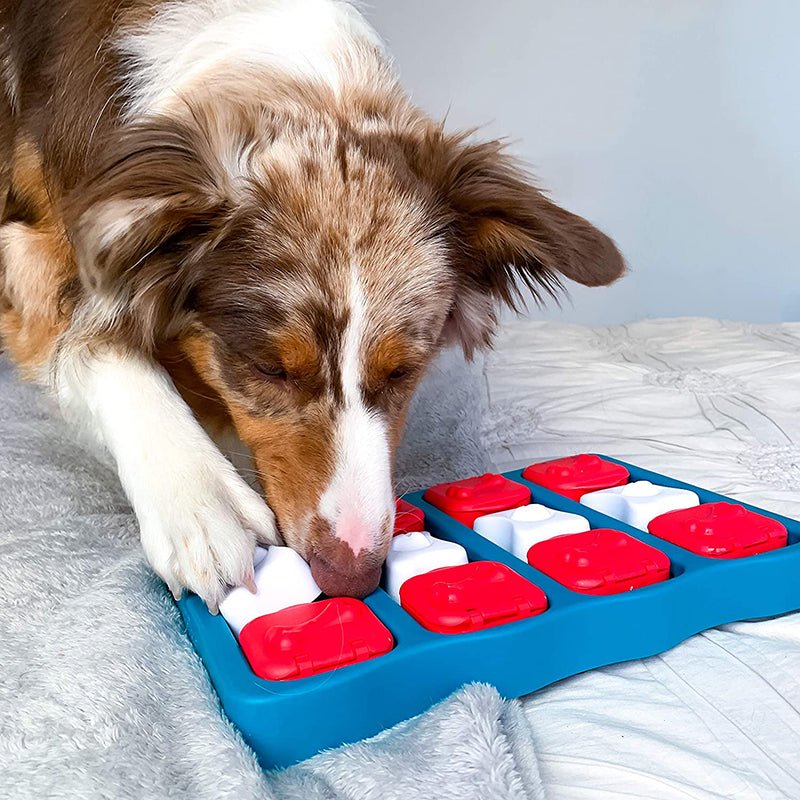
(283, 579)
(418, 552)
(640, 502)
(519, 529)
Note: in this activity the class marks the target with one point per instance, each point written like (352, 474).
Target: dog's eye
(271, 372)
(397, 374)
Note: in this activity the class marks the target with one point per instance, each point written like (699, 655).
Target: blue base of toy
(286, 722)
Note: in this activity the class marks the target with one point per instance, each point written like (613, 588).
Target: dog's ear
(506, 235)
(153, 206)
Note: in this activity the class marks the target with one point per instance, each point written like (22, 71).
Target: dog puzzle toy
(518, 580)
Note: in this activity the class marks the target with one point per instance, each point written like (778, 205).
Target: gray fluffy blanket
(101, 693)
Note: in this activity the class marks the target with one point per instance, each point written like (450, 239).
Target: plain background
(674, 125)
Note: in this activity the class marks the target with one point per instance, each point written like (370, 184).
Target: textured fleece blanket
(101, 693)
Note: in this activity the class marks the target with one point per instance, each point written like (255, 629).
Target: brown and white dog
(226, 216)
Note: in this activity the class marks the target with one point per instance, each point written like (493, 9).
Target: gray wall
(672, 124)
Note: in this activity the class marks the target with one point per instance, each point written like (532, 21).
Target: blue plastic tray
(286, 722)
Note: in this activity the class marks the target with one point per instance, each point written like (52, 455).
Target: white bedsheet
(714, 403)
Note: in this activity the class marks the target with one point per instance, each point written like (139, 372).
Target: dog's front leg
(199, 520)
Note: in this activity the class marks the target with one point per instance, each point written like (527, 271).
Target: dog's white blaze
(359, 497)
(186, 42)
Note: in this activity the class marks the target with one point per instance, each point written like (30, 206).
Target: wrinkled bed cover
(713, 403)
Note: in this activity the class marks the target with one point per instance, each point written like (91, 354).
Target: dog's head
(312, 267)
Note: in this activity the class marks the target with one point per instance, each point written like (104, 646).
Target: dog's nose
(338, 571)
(344, 580)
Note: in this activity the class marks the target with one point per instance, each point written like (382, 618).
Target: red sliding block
(468, 499)
(600, 561)
(576, 475)
(470, 597)
(407, 518)
(304, 640)
(720, 530)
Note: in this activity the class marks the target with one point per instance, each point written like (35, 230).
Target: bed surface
(713, 403)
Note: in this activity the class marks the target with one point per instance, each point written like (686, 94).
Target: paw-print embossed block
(518, 529)
(600, 561)
(283, 579)
(576, 475)
(470, 597)
(407, 518)
(306, 639)
(471, 498)
(416, 552)
(720, 530)
(640, 502)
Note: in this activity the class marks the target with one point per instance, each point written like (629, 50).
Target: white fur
(186, 43)
(97, 231)
(199, 520)
(106, 223)
(359, 499)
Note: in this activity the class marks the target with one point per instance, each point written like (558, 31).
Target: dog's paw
(200, 525)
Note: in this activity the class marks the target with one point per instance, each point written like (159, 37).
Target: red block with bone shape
(600, 561)
(575, 476)
(720, 530)
(469, 597)
(309, 638)
(468, 499)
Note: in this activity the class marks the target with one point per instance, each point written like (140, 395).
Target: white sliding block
(418, 552)
(283, 579)
(640, 502)
(519, 529)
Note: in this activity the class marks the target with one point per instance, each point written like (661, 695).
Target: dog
(228, 234)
